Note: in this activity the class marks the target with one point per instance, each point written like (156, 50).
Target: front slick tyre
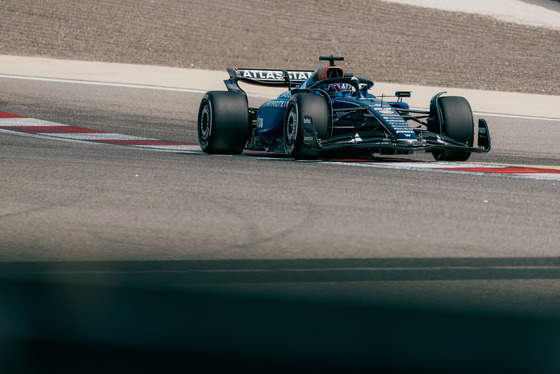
(458, 124)
(223, 122)
(305, 107)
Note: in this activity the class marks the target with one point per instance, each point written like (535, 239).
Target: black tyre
(310, 108)
(223, 122)
(458, 124)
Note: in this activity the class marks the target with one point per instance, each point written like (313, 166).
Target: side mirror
(400, 94)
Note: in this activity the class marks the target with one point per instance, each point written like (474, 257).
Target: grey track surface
(270, 225)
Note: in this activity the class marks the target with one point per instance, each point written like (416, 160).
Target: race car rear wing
(268, 77)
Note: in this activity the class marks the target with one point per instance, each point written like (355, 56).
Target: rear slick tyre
(223, 122)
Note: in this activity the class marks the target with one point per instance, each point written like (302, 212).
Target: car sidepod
(270, 118)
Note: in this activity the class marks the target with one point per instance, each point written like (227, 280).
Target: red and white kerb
(15, 124)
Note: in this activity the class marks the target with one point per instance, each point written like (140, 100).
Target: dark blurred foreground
(64, 323)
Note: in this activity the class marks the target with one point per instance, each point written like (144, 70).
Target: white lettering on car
(274, 75)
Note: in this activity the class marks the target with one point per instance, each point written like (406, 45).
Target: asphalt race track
(65, 201)
(270, 225)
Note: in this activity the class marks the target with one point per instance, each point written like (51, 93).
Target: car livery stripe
(16, 124)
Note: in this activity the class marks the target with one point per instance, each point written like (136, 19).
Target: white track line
(188, 90)
(92, 83)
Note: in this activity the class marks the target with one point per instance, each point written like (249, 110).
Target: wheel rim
(291, 127)
(205, 125)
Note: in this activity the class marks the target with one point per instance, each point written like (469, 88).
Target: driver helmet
(339, 89)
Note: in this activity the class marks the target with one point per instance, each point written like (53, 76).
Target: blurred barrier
(65, 324)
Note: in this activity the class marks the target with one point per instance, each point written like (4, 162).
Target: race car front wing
(377, 140)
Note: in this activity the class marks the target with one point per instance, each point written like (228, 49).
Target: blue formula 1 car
(329, 112)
